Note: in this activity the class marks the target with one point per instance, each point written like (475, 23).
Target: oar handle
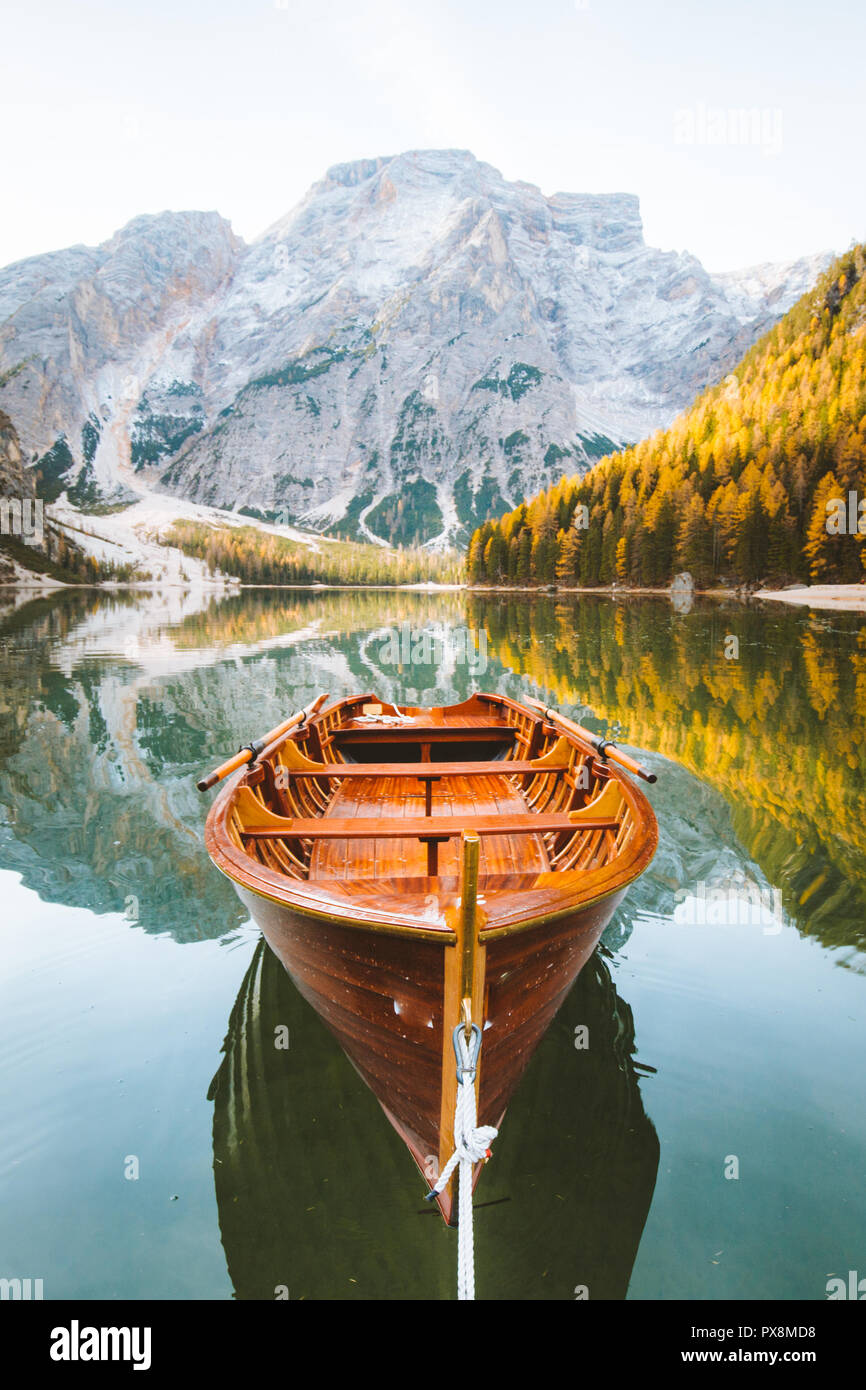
(252, 750)
(603, 746)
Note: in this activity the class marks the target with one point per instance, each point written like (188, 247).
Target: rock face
(84, 332)
(15, 480)
(16, 489)
(417, 345)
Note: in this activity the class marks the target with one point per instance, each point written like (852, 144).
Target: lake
(709, 1143)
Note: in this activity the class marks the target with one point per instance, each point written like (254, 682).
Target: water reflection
(778, 729)
(112, 704)
(304, 1164)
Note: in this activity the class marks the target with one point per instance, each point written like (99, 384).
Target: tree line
(261, 557)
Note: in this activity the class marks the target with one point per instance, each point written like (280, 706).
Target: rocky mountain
(418, 345)
(15, 480)
(16, 485)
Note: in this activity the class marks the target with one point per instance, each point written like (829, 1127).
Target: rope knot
(474, 1146)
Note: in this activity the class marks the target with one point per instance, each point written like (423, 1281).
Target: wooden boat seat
(501, 767)
(426, 724)
(427, 735)
(422, 827)
(348, 841)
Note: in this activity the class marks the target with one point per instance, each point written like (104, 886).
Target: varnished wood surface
(386, 1007)
(420, 827)
(456, 803)
(515, 899)
(546, 964)
(366, 930)
(285, 1188)
(430, 722)
(419, 733)
(502, 767)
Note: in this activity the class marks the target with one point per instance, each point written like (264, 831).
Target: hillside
(737, 489)
(33, 546)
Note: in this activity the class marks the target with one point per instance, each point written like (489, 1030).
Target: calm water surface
(725, 1007)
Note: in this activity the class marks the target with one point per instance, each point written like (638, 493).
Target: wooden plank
(497, 768)
(465, 971)
(414, 733)
(422, 828)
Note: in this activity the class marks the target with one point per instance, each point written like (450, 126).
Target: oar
(252, 750)
(603, 746)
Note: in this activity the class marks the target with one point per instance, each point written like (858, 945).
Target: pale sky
(739, 125)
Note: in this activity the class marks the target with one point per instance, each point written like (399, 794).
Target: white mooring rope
(471, 1143)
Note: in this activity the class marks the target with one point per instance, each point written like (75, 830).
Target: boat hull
(383, 997)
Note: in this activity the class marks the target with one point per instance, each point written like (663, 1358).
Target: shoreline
(849, 598)
(54, 586)
(841, 597)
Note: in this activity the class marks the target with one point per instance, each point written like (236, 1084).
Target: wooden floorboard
(399, 798)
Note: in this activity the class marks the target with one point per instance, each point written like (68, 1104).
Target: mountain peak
(604, 221)
(607, 221)
(167, 225)
(434, 162)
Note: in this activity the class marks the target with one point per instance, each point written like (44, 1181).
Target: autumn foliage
(736, 490)
(260, 557)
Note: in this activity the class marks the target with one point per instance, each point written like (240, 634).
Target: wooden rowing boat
(418, 868)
